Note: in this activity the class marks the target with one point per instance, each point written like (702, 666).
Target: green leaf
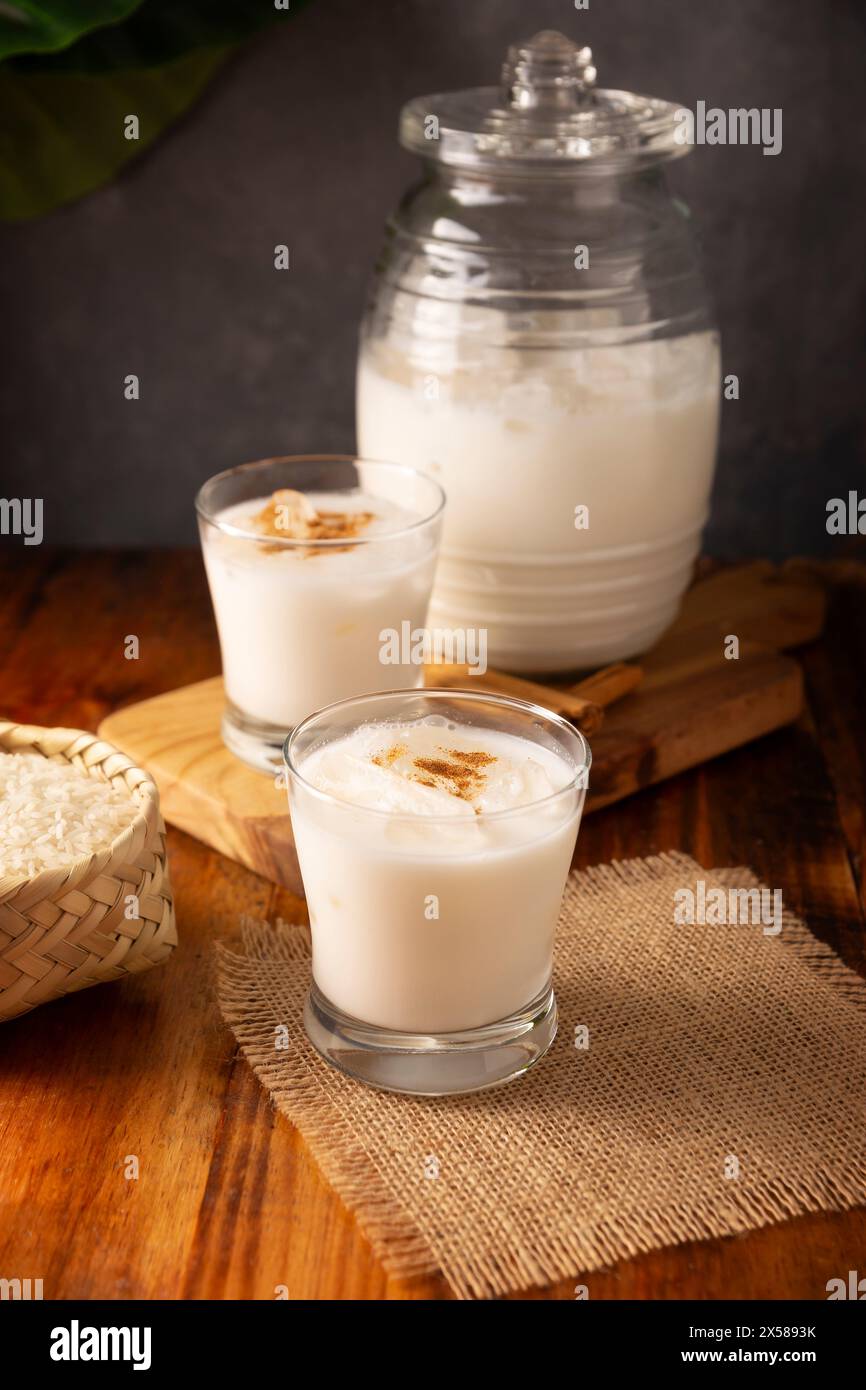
(62, 136)
(54, 24)
(159, 31)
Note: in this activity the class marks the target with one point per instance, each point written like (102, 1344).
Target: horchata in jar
(538, 339)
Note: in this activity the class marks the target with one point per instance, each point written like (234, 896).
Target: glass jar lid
(546, 117)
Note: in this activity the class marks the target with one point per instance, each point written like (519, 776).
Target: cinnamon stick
(585, 713)
(609, 684)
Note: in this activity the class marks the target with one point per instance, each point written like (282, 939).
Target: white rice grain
(52, 813)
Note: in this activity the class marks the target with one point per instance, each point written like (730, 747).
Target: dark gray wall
(168, 273)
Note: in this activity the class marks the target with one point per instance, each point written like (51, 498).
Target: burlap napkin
(706, 1080)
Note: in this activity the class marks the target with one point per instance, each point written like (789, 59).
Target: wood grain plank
(836, 683)
(229, 1202)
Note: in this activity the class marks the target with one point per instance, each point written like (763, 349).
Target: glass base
(256, 744)
(421, 1064)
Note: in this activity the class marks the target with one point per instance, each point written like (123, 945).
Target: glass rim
(241, 533)
(579, 782)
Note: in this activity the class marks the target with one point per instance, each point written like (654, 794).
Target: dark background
(168, 272)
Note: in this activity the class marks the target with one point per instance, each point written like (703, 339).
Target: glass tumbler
(304, 622)
(433, 935)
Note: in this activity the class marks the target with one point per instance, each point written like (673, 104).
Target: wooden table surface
(228, 1203)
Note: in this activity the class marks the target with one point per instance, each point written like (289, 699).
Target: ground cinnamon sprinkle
(389, 755)
(471, 757)
(289, 515)
(337, 526)
(461, 773)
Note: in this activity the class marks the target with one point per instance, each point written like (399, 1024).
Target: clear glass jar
(539, 340)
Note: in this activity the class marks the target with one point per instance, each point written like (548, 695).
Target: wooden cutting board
(693, 704)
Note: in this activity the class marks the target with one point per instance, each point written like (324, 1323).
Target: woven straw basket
(65, 929)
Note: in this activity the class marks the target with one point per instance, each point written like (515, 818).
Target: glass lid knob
(546, 116)
(549, 72)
